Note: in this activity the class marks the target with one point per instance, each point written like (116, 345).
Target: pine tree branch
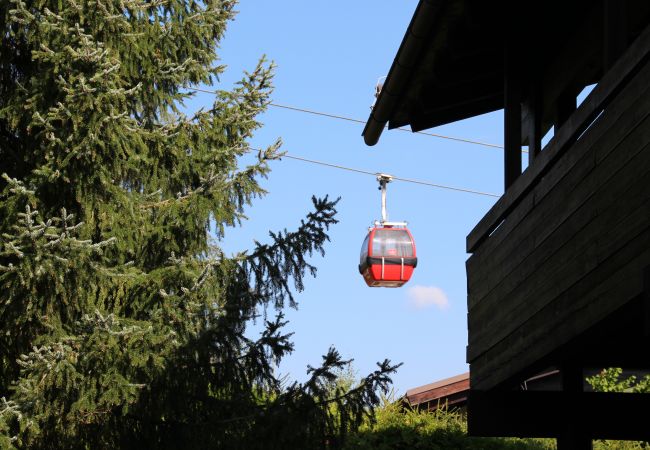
(270, 266)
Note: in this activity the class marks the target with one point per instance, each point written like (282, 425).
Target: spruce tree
(122, 324)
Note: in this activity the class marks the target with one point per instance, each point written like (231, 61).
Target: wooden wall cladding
(572, 250)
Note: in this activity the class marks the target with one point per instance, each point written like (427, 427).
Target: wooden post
(646, 301)
(564, 107)
(532, 128)
(512, 89)
(574, 437)
(615, 31)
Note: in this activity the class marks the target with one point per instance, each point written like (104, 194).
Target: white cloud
(422, 297)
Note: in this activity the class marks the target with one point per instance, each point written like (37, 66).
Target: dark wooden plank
(499, 314)
(544, 220)
(494, 251)
(546, 217)
(511, 243)
(611, 285)
(495, 336)
(546, 414)
(623, 227)
(616, 341)
(598, 99)
(512, 260)
(592, 233)
(527, 291)
(537, 239)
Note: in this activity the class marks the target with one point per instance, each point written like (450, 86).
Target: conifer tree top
(123, 325)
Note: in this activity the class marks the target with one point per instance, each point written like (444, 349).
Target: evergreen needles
(121, 325)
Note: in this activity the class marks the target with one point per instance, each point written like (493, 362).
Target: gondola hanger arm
(384, 179)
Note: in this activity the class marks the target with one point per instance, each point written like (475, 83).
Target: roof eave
(401, 70)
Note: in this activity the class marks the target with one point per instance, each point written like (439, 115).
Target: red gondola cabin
(387, 257)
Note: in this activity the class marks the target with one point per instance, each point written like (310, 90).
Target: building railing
(584, 116)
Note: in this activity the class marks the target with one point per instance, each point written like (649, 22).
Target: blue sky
(329, 57)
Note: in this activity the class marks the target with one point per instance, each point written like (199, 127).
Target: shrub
(397, 427)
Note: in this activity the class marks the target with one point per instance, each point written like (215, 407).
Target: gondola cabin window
(364, 249)
(392, 242)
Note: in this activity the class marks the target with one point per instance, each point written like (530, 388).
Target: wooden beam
(574, 440)
(576, 62)
(646, 302)
(532, 113)
(615, 31)
(546, 414)
(512, 97)
(533, 106)
(572, 377)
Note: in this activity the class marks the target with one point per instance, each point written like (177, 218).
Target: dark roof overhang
(450, 64)
(405, 61)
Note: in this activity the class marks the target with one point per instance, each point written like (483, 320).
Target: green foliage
(609, 380)
(397, 427)
(122, 325)
(619, 445)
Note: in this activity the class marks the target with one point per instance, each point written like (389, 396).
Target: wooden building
(559, 272)
(448, 393)
(453, 392)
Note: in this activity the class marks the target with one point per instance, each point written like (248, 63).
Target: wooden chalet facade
(559, 273)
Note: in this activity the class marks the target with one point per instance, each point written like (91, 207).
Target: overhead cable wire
(407, 180)
(349, 119)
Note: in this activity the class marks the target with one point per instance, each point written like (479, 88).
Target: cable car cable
(407, 180)
(441, 136)
(349, 119)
